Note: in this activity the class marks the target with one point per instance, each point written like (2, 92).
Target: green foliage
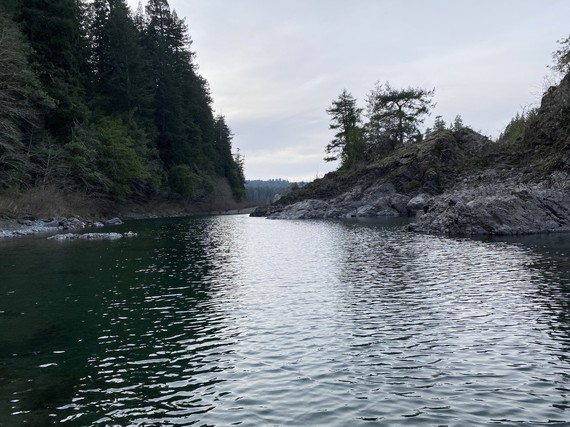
(396, 114)
(348, 143)
(515, 130)
(22, 104)
(457, 124)
(561, 57)
(412, 185)
(264, 191)
(81, 155)
(118, 159)
(439, 124)
(183, 181)
(53, 29)
(95, 98)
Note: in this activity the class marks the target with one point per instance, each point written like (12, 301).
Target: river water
(232, 320)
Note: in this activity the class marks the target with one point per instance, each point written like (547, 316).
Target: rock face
(394, 186)
(500, 209)
(379, 200)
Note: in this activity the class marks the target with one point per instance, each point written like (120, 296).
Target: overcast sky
(274, 67)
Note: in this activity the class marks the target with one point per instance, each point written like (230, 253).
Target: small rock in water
(114, 221)
(73, 224)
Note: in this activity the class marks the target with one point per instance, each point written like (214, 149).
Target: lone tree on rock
(396, 114)
(348, 142)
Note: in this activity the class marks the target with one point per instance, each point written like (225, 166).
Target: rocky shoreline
(49, 226)
(497, 205)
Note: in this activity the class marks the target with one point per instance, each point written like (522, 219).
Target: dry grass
(51, 202)
(47, 202)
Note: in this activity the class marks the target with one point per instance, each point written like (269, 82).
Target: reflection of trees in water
(165, 337)
(46, 294)
(130, 315)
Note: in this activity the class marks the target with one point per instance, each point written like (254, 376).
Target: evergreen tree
(439, 124)
(457, 123)
(171, 68)
(119, 83)
(348, 142)
(22, 104)
(396, 114)
(229, 165)
(107, 102)
(562, 57)
(53, 29)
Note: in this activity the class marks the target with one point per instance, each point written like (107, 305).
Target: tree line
(94, 97)
(264, 191)
(394, 116)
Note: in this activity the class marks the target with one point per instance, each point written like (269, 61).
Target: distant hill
(264, 191)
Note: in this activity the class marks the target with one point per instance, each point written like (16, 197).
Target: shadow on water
(78, 316)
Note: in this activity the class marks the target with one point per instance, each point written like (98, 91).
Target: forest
(265, 191)
(98, 99)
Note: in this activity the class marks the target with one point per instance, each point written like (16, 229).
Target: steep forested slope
(100, 101)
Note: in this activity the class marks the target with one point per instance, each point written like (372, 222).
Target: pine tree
(53, 29)
(395, 114)
(22, 104)
(348, 142)
(120, 82)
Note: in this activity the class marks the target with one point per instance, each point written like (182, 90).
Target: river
(231, 320)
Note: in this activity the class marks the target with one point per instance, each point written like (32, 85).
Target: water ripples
(242, 321)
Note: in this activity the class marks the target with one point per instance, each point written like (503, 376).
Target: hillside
(105, 105)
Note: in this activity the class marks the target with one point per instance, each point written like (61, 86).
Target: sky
(274, 67)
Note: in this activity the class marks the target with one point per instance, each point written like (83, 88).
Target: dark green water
(244, 321)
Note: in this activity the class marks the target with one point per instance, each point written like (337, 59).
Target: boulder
(113, 221)
(498, 209)
(72, 224)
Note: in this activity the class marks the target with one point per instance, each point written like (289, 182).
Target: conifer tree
(395, 114)
(348, 142)
(53, 29)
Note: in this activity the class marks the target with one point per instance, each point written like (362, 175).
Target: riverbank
(50, 210)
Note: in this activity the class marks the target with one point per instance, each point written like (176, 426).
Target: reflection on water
(244, 321)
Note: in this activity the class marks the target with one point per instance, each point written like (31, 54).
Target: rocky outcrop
(391, 186)
(500, 208)
(377, 200)
(25, 227)
(458, 183)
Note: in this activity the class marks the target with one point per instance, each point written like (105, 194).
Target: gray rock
(498, 209)
(114, 221)
(303, 210)
(380, 199)
(419, 204)
(72, 224)
(92, 236)
(53, 222)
